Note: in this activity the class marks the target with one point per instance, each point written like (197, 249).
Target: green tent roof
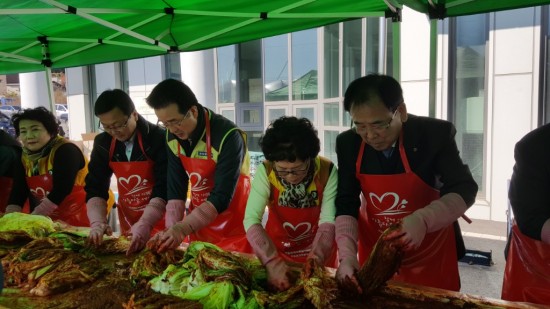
(67, 33)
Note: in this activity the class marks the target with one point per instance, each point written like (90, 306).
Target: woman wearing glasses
(133, 150)
(299, 188)
(409, 172)
(55, 168)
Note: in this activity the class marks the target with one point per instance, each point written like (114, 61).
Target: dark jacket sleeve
(529, 191)
(433, 154)
(68, 161)
(228, 170)
(99, 175)
(157, 153)
(349, 189)
(177, 177)
(11, 167)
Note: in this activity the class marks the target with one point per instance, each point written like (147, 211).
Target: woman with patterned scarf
(299, 188)
(55, 169)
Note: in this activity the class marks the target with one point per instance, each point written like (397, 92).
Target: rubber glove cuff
(45, 208)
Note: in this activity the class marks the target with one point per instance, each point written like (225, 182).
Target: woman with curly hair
(298, 187)
(55, 169)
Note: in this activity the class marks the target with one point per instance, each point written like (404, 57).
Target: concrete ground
(486, 236)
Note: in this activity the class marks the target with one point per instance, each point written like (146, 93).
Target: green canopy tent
(45, 34)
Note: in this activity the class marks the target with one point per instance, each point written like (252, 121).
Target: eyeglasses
(174, 123)
(115, 128)
(295, 172)
(377, 127)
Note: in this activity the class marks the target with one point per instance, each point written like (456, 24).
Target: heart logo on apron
(133, 183)
(395, 209)
(39, 193)
(298, 232)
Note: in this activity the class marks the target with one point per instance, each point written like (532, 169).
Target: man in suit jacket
(527, 272)
(409, 173)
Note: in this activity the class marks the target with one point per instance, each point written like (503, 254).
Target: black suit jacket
(529, 191)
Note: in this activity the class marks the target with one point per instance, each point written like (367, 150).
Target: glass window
(389, 46)
(346, 119)
(276, 68)
(373, 45)
(251, 116)
(229, 114)
(468, 95)
(172, 66)
(226, 74)
(275, 113)
(331, 112)
(332, 67)
(253, 141)
(329, 149)
(546, 110)
(352, 51)
(306, 112)
(304, 65)
(250, 72)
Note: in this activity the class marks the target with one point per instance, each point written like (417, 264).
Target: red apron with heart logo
(227, 230)
(72, 209)
(292, 230)
(390, 198)
(135, 182)
(5, 190)
(527, 272)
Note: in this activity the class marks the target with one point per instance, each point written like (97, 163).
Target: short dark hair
(111, 99)
(40, 114)
(372, 86)
(289, 139)
(171, 91)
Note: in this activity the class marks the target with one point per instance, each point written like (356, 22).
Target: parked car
(62, 112)
(10, 109)
(6, 124)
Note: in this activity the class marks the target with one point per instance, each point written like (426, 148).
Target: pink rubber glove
(277, 269)
(172, 237)
(435, 216)
(346, 239)
(544, 234)
(45, 208)
(174, 212)
(141, 230)
(13, 208)
(321, 247)
(97, 214)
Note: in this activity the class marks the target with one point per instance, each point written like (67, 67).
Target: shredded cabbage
(36, 226)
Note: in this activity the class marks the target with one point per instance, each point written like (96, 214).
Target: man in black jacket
(410, 174)
(12, 174)
(134, 150)
(207, 154)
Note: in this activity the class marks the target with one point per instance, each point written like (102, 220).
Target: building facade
(491, 83)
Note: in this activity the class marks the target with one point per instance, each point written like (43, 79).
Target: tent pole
(433, 67)
(48, 72)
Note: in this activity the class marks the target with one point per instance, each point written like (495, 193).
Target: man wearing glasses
(408, 171)
(207, 153)
(133, 149)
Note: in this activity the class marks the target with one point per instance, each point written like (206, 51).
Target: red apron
(72, 209)
(6, 184)
(293, 229)
(527, 272)
(227, 230)
(390, 198)
(135, 182)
